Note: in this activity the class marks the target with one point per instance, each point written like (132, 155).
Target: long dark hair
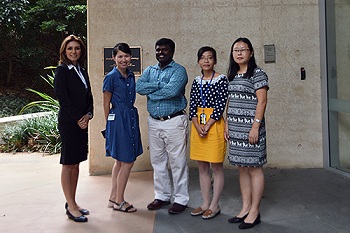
(234, 67)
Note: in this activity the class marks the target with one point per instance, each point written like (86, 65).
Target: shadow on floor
(295, 201)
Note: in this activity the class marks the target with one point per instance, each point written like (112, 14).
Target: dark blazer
(75, 100)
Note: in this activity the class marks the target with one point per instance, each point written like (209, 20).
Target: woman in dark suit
(73, 90)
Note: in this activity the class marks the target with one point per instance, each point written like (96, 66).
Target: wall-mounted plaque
(269, 53)
(136, 60)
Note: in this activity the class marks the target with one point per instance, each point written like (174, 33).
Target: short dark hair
(124, 47)
(63, 57)
(205, 49)
(234, 67)
(166, 41)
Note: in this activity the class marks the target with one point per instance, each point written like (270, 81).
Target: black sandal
(111, 203)
(128, 209)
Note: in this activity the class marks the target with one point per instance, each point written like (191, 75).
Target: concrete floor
(31, 199)
(295, 200)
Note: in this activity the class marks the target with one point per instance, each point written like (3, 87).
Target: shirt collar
(127, 71)
(169, 65)
(71, 66)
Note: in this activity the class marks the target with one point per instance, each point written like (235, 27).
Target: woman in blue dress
(123, 139)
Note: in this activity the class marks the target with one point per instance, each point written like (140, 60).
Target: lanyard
(203, 97)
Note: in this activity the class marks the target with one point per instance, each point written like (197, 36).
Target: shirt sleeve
(108, 84)
(260, 79)
(90, 98)
(174, 87)
(143, 85)
(193, 100)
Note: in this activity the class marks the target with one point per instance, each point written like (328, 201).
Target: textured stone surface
(294, 123)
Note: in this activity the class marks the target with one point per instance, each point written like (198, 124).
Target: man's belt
(164, 118)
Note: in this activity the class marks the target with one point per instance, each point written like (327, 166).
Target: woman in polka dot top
(207, 144)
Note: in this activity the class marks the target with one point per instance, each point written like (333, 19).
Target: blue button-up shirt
(164, 88)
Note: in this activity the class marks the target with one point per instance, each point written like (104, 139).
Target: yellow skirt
(211, 148)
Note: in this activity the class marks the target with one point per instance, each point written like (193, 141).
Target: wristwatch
(90, 115)
(257, 120)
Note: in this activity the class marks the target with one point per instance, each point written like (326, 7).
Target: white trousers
(168, 143)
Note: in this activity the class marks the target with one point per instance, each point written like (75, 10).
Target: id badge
(111, 117)
(203, 119)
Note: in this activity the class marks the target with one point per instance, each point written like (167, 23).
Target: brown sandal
(198, 211)
(209, 214)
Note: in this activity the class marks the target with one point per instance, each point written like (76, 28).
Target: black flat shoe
(237, 219)
(81, 218)
(82, 211)
(245, 225)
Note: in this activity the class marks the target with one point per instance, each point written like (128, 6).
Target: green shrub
(48, 103)
(35, 134)
(38, 134)
(10, 105)
(14, 138)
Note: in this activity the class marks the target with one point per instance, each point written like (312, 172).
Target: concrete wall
(294, 107)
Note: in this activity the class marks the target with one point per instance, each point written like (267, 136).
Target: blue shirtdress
(123, 138)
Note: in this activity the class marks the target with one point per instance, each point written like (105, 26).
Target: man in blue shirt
(164, 85)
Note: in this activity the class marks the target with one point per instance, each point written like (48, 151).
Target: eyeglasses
(240, 50)
(207, 58)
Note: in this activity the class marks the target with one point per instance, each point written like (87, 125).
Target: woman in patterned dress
(245, 128)
(208, 99)
(123, 139)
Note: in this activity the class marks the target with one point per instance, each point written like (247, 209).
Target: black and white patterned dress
(240, 117)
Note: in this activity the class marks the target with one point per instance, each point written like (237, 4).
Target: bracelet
(257, 120)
